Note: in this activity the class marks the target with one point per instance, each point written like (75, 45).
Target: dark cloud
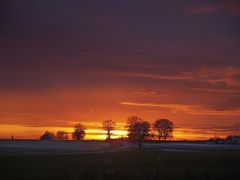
(230, 104)
(237, 77)
(217, 6)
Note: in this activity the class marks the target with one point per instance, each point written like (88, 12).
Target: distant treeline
(138, 129)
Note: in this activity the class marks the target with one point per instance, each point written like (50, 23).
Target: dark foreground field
(133, 164)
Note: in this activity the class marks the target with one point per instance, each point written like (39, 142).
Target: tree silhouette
(164, 128)
(131, 121)
(79, 132)
(108, 125)
(138, 130)
(62, 135)
(47, 136)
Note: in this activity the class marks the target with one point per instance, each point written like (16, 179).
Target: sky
(64, 62)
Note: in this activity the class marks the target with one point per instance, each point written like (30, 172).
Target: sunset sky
(69, 61)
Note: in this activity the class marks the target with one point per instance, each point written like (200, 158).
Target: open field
(35, 147)
(161, 161)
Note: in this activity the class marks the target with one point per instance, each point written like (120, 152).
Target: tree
(138, 130)
(108, 125)
(79, 132)
(164, 128)
(131, 121)
(62, 135)
(47, 136)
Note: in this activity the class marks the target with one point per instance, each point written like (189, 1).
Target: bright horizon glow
(24, 132)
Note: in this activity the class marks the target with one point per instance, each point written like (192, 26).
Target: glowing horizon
(97, 133)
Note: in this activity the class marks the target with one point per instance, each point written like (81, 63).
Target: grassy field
(134, 164)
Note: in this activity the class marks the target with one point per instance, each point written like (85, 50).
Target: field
(177, 161)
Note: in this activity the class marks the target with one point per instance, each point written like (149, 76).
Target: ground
(159, 161)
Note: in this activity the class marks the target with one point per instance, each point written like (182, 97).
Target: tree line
(138, 130)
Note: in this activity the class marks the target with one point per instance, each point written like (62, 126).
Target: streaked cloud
(219, 6)
(227, 75)
(189, 109)
(232, 92)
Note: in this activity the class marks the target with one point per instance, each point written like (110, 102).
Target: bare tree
(108, 125)
(138, 130)
(47, 136)
(62, 135)
(164, 128)
(79, 132)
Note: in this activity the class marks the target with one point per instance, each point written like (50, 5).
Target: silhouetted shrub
(47, 136)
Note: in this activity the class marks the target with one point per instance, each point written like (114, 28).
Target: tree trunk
(139, 145)
(139, 141)
(109, 135)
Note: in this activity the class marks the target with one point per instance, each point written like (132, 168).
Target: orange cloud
(216, 91)
(189, 109)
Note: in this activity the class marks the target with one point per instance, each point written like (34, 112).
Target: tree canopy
(164, 128)
(108, 125)
(138, 129)
(78, 132)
